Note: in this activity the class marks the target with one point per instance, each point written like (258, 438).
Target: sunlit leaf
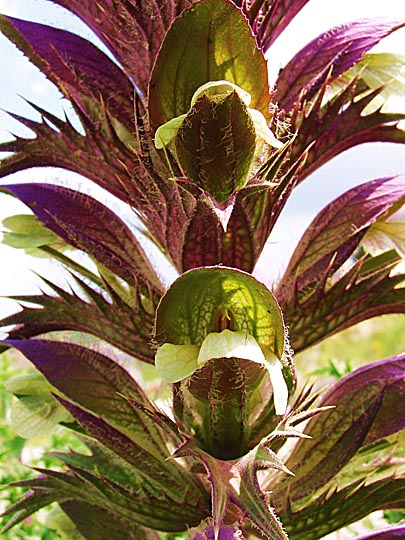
(337, 49)
(209, 42)
(79, 69)
(87, 311)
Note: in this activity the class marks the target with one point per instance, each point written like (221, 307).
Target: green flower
(176, 362)
(217, 312)
(217, 141)
(167, 132)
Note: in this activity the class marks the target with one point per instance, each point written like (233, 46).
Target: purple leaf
(326, 131)
(202, 242)
(393, 533)
(133, 31)
(362, 403)
(100, 385)
(113, 321)
(339, 48)
(92, 380)
(365, 291)
(315, 300)
(90, 226)
(387, 377)
(128, 424)
(140, 180)
(269, 19)
(206, 243)
(239, 249)
(76, 66)
(100, 155)
(164, 479)
(339, 508)
(336, 230)
(142, 504)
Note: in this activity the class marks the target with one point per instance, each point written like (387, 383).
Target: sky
(18, 78)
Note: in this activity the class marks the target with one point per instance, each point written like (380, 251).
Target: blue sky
(18, 78)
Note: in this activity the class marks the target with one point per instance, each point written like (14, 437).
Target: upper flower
(220, 313)
(216, 142)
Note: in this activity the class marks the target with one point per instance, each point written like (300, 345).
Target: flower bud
(216, 141)
(222, 340)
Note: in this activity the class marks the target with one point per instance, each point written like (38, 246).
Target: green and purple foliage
(185, 130)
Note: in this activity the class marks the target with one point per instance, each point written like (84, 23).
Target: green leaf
(376, 70)
(87, 311)
(209, 42)
(31, 416)
(27, 232)
(35, 412)
(337, 509)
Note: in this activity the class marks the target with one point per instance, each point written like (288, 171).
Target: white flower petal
(176, 362)
(229, 344)
(280, 389)
(213, 88)
(262, 129)
(168, 131)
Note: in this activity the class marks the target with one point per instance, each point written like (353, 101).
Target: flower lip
(167, 132)
(177, 362)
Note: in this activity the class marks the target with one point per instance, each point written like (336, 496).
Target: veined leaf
(99, 155)
(112, 320)
(200, 299)
(331, 511)
(79, 69)
(211, 126)
(326, 130)
(376, 70)
(130, 426)
(102, 157)
(334, 233)
(89, 225)
(362, 413)
(163, 480)
(132, 34)
(269, 20)
(209, 42)
(236, 481)
(389, 374)
(366, 290)
(97, 383)
(137, 506)
(317, 286)
(339, 48)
